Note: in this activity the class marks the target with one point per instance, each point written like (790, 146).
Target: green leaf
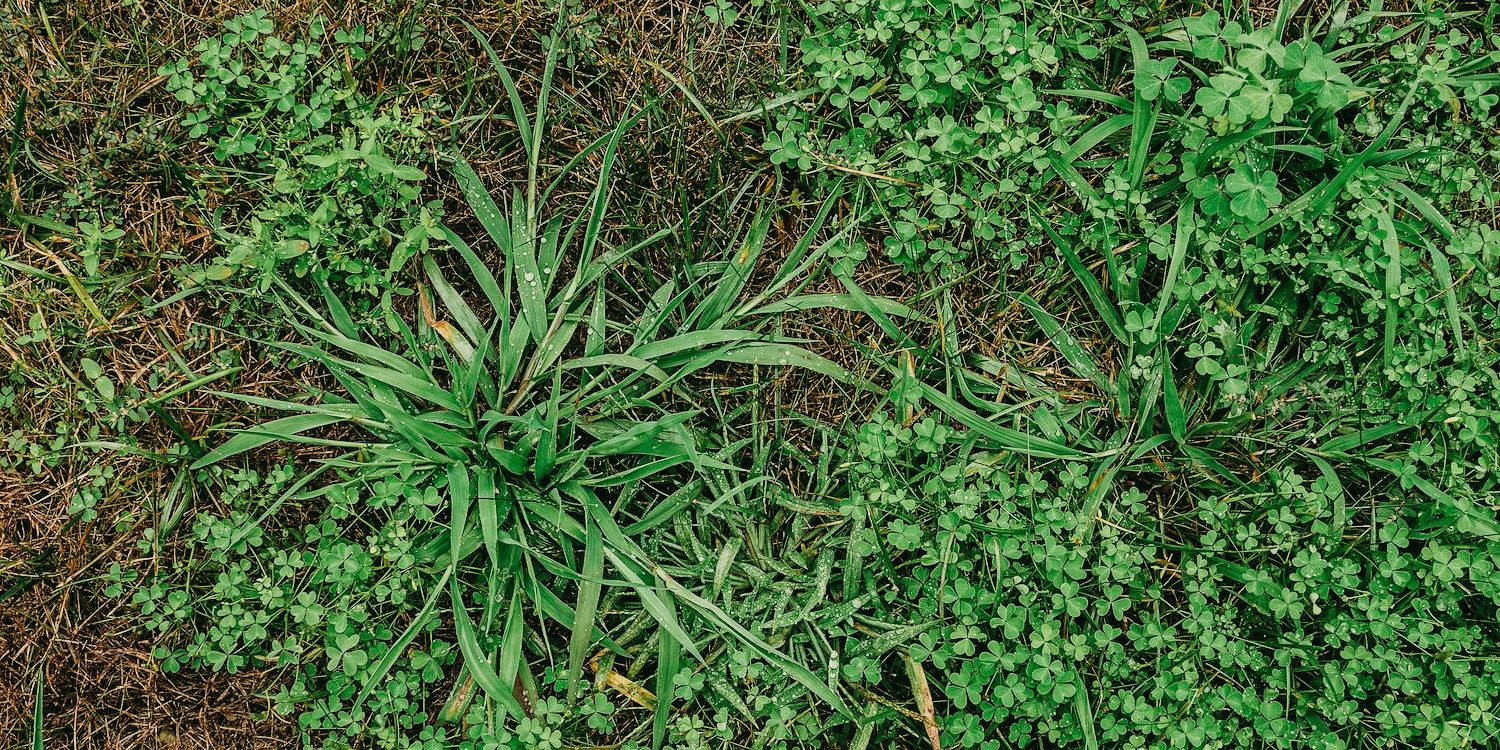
(518, 110)
(589, 588)
(398, 647)
(1091, 286)
(1176, 417)
(475, 660)
(530, 286)
(1065, 343)
(668, 654)
(1004, 437)
(789, 355)
(285, 428)
(1392, 246)
(804, 302)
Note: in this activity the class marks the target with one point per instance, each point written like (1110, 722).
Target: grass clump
(514, 462)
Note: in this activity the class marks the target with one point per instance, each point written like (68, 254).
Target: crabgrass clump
(514, 457)
(334, 190)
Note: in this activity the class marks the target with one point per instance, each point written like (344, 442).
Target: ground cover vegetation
(880, 373)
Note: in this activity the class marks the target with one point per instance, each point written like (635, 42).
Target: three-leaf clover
(1323, 77)
(1209, 38)
(1254, 194)
(1154, 79)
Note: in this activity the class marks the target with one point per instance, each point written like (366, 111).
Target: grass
(1076, 375)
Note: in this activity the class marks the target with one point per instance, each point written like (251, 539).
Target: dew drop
(530, 277)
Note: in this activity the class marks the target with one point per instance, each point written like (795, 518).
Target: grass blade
(1004, 437)
(1176, 417)
(1065, 343)
(38, 737)
(285, 428)
(1102, 304)
(381, 668)
(712, 311)
(789, 355)
(484, 207)
(668, 656)
(517, 108)
(804, 302)
(1183, 234)
(512, 663)
(1392, 247)
(589, 589)
(475, 660)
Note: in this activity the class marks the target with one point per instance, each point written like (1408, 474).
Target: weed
(335, 195)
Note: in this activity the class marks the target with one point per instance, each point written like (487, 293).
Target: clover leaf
(1155, 79)
(1254, 194)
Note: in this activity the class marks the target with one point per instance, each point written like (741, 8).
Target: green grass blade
(481, 272)
(1096, 135)
(539, 121)
(711, 312)
(488, 498)
(1065, 343)
(467, 320)
(668, 658)
(1176, 417)
(517, 108)
(805, 302)
(1336, 489)
(781, 661)
(285, 428)
(38, 736)
(489, 214)
(460, 498)
(1348, 442)
(475, 660)
(866, 304)
(627, 557)
(512, 662)
(790, 355)
(1091, 286)
(617, 362)
(521, 257)
(1083, 710)
(1143, 115)
(589, 589)
(358, 348)
(1392, 246)
(1004, 437)
(1444, 273)
(381, 668)
(617, 550)
(1182, 236)
(692, 340)
(1074, 180)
